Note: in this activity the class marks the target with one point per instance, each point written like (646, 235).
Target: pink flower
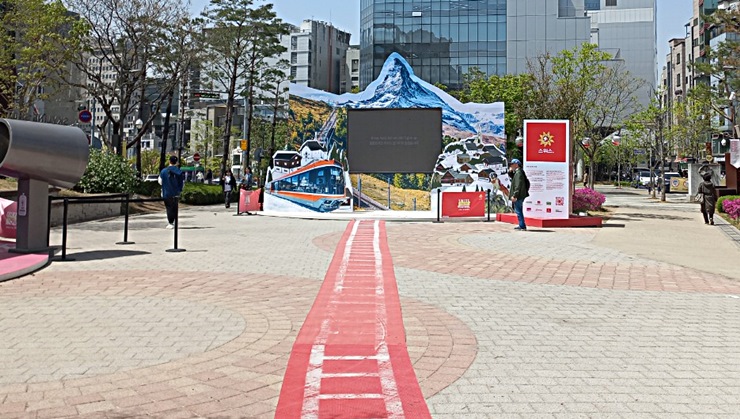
(587, 199)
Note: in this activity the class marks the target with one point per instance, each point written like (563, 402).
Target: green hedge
(153, 189)
(202, 194)
(723, 199)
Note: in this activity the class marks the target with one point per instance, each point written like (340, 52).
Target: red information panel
(8, 216)
(463, 204)
(547, 141)
(249, 200)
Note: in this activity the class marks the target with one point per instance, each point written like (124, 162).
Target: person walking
(707, 195)
(519, 191)
(585, 178)
(172, 180)
(228, 184)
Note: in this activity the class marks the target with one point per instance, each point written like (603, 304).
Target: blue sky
(345, 14)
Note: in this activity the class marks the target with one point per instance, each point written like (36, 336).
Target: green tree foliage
(107, 173)
(648, 127)
(239, 37)
(583, 85)
(36, 44)
(207, 138)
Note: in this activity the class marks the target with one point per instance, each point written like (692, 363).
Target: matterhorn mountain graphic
(398, 87)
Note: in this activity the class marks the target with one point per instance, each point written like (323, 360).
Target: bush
(202, 194)
(153, 189)
(587, 199)
(722, 199)
(107, 173)
(732, 207)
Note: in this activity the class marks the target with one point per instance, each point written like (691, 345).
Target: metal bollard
(125, 224)
(177, 222)
(65, 213)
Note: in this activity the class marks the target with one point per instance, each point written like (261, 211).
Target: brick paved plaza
(640, 318)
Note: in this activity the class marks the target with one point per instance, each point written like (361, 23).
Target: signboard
(84, 116)
(196, 157)
(735, 153)
(206, 95)
(679, 184)
(547, 164)
(463, 204)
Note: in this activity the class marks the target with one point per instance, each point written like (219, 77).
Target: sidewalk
(636, 319)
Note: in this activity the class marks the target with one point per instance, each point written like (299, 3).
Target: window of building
(678, 80)
(611, 3)
(355, 65)
(293, 57)
(678, 58)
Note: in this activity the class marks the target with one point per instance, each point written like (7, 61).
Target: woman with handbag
(707, 197)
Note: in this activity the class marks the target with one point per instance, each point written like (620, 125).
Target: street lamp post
(138, 124)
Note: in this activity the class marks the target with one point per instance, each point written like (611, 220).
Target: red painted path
(350, 358)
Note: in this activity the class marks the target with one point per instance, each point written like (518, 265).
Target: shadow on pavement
(612, 225)
(632, 216)
(105, 254)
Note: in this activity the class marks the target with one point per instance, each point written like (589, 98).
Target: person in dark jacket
(708, 194)
(519, 191)
(172, 180)
(228, 184)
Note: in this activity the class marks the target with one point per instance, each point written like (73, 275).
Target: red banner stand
(464, 204)
(249, 200)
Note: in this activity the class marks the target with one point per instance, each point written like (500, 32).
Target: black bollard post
(125, 224)
(439, 204)
(65, 213)
(177, 222)
(488, 201)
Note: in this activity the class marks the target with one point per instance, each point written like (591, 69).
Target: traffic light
(243, 145)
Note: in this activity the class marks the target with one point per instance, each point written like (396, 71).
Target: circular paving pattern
(71, 337)
(230, 363)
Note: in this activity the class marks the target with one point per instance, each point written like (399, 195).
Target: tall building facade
(317, 54)
(627, 30)
(444, 39)
(441, 39)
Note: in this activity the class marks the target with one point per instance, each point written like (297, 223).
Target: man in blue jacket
(172, 180)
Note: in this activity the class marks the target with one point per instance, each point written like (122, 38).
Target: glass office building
(441, 39)
(444, 39)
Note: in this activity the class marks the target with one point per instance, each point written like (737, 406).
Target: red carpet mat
(350, 358)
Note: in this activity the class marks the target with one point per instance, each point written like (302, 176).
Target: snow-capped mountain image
(398, 87)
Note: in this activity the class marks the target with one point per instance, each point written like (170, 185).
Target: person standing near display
(519, 191)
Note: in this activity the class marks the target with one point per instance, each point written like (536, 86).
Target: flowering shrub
(587, 199)
(732, 208)
(720, 202)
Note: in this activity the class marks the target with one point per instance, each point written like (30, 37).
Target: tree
(36, 46)
(121, 39)
(649, 123)
(583, 85)
(239, 37)
(207, 137)
(273, 85)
